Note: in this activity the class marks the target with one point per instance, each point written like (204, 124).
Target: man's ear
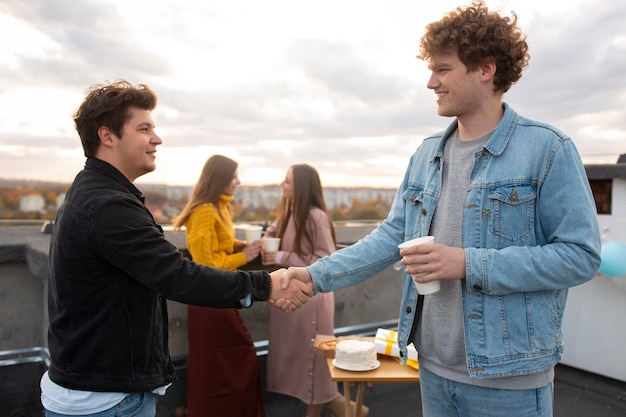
(106, 136)
(488, 70)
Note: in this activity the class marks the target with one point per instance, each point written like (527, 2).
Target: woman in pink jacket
(307, 234)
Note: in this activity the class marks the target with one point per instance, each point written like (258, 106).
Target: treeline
(376, 209)
(165, 208)
(11, 197)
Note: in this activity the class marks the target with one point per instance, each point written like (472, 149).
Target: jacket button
(424, 211)
(477, 287)
(407, 309)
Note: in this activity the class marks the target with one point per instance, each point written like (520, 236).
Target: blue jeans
(444, 398)
(142, 404)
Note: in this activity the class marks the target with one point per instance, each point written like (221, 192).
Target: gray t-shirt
(441, 345)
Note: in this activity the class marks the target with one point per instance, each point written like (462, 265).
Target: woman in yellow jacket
(223, 376)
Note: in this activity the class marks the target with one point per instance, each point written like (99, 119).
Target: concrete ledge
(374, 300)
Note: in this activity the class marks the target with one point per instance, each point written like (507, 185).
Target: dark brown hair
(109, 105)
(217, 174)
(478, 35)
(307, 193)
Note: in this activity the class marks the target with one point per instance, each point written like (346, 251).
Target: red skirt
(223, 375)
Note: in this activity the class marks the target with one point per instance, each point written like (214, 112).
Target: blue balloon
(613, 259)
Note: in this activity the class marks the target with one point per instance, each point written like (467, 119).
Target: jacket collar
(115, 174)
(499, 138)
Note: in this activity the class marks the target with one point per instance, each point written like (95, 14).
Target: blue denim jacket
(530, 232)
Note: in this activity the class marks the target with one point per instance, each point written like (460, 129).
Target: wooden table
(390, 370)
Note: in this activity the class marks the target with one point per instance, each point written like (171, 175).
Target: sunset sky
(271, 83)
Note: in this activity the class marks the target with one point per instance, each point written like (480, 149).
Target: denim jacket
(111, 270)
(529, 231)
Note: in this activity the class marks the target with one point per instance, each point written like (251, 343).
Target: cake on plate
(358, 355)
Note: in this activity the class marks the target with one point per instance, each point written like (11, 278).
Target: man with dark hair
(111, 271)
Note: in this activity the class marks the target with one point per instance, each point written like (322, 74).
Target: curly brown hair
(478, 35)
(109, 104)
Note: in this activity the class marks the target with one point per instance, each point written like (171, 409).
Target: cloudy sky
(333, 83)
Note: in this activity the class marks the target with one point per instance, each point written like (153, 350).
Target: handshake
(290, 288)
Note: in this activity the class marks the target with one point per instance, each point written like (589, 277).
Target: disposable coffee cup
(423, 288)
(271, 244)
(253, 233)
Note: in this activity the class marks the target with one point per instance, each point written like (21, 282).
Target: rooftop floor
(577, 393)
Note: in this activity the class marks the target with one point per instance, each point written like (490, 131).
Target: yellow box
(386, 342)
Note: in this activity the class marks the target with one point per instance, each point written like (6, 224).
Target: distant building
(335, 197)
(33, 202)
(60, 200)
(156, 211)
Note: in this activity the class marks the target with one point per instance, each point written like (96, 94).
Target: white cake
(355, 354)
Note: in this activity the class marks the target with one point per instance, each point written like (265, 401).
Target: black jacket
(111, 271)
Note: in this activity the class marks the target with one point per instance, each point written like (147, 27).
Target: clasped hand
(291, 288)
(434, 262)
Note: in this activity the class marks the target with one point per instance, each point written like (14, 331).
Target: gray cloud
(577, 64)
(336, 99)
(341, 70)
(60, 141)
(91, 41)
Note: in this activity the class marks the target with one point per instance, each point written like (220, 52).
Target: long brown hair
(307, 193)
(216, 177)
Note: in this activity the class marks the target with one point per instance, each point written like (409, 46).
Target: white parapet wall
(593, 329)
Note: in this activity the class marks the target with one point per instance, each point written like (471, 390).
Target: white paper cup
(422, 287)
(271, 244)
(253, 233)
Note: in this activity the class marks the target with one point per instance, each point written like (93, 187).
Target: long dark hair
(307, 193)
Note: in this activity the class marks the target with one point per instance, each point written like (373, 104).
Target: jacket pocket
(512, 214)
(415, 211)
(413, 195)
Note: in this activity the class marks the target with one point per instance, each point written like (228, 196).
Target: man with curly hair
(515, 226)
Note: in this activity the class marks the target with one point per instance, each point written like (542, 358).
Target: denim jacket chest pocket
(419, 208)
(512, 213)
